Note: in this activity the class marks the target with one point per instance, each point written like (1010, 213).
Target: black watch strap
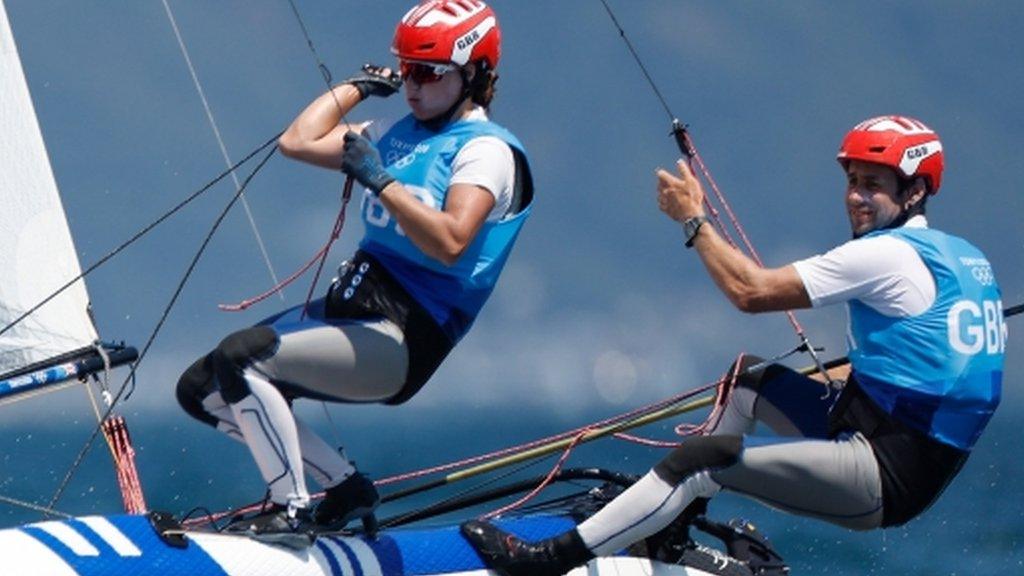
(691, 226)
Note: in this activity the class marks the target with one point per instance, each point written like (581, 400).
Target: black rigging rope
(688, 149)
(145, 230)
(130, 379)
(324, 71)
(640, 63)
(156, 330)
(121, 393)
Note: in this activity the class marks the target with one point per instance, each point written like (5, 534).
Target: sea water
(977, 527)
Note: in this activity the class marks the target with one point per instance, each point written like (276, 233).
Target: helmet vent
(456, 31)
(877, 149)
(452, 8)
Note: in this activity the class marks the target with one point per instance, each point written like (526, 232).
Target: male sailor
(926, 338)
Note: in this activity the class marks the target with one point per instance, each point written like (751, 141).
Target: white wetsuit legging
(802, 470)
(245, 386)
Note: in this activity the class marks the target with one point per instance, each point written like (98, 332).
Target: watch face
(690, 228)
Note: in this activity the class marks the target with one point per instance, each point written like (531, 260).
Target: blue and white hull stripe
(129, 546)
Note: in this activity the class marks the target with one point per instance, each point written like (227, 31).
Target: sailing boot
(278, 524)
(510, 556)
(355, 497)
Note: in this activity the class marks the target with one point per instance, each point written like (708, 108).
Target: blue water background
(976, 528)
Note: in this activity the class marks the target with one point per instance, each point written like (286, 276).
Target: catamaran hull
(128, 546)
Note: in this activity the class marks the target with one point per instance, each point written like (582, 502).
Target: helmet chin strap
(899, 220)
(438, 122)
(906, 213)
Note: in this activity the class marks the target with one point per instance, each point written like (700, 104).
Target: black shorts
(915, 468)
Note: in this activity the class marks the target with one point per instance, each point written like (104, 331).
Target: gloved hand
(361, 161)
(373, 81)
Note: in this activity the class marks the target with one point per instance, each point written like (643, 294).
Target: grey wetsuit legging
(343, 361)
(800, 470)
(244, 388)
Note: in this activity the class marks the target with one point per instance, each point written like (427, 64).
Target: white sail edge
(39, 254)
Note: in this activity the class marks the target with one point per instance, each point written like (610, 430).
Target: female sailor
(446, 193)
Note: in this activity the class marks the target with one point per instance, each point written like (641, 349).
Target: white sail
(37, 255)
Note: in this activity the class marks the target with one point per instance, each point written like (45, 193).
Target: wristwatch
(690, 228)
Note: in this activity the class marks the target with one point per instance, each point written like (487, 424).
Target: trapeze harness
(923, 388)
(390, 277)
(389, 321)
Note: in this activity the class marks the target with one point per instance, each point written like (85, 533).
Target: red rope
(695, 157)
(339, 223)
(280, 286)
(321, 256)
(116, 430)
(577, 433)
(547, 480)
(548, 440)
(645, 441)
(724, 386)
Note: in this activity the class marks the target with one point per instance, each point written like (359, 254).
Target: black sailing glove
(373, 81)
(361, 161)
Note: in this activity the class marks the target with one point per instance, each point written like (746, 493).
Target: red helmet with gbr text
(900, 142)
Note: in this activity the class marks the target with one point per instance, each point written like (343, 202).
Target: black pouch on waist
(365, 289)
(914, 467)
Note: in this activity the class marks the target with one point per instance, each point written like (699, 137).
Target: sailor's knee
(747, 378)
(236, 353)
(240, 349)
(699, 453)
(195, 384)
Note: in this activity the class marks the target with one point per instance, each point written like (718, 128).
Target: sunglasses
(424, 72)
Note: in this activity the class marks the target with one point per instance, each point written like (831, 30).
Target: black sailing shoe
(356, 497)
(510, 556)
(276, 526)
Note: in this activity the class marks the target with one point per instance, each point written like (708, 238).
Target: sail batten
(39, 255)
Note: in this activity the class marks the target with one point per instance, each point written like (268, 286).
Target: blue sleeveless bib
(939, 372)
(422, 161)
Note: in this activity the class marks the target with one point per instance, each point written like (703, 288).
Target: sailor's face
(872, 196)
(430, 95)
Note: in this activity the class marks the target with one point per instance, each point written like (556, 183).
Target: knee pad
(195, 384)
(699, 453)
(746, 379)
(756, 379)
(236, 353)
